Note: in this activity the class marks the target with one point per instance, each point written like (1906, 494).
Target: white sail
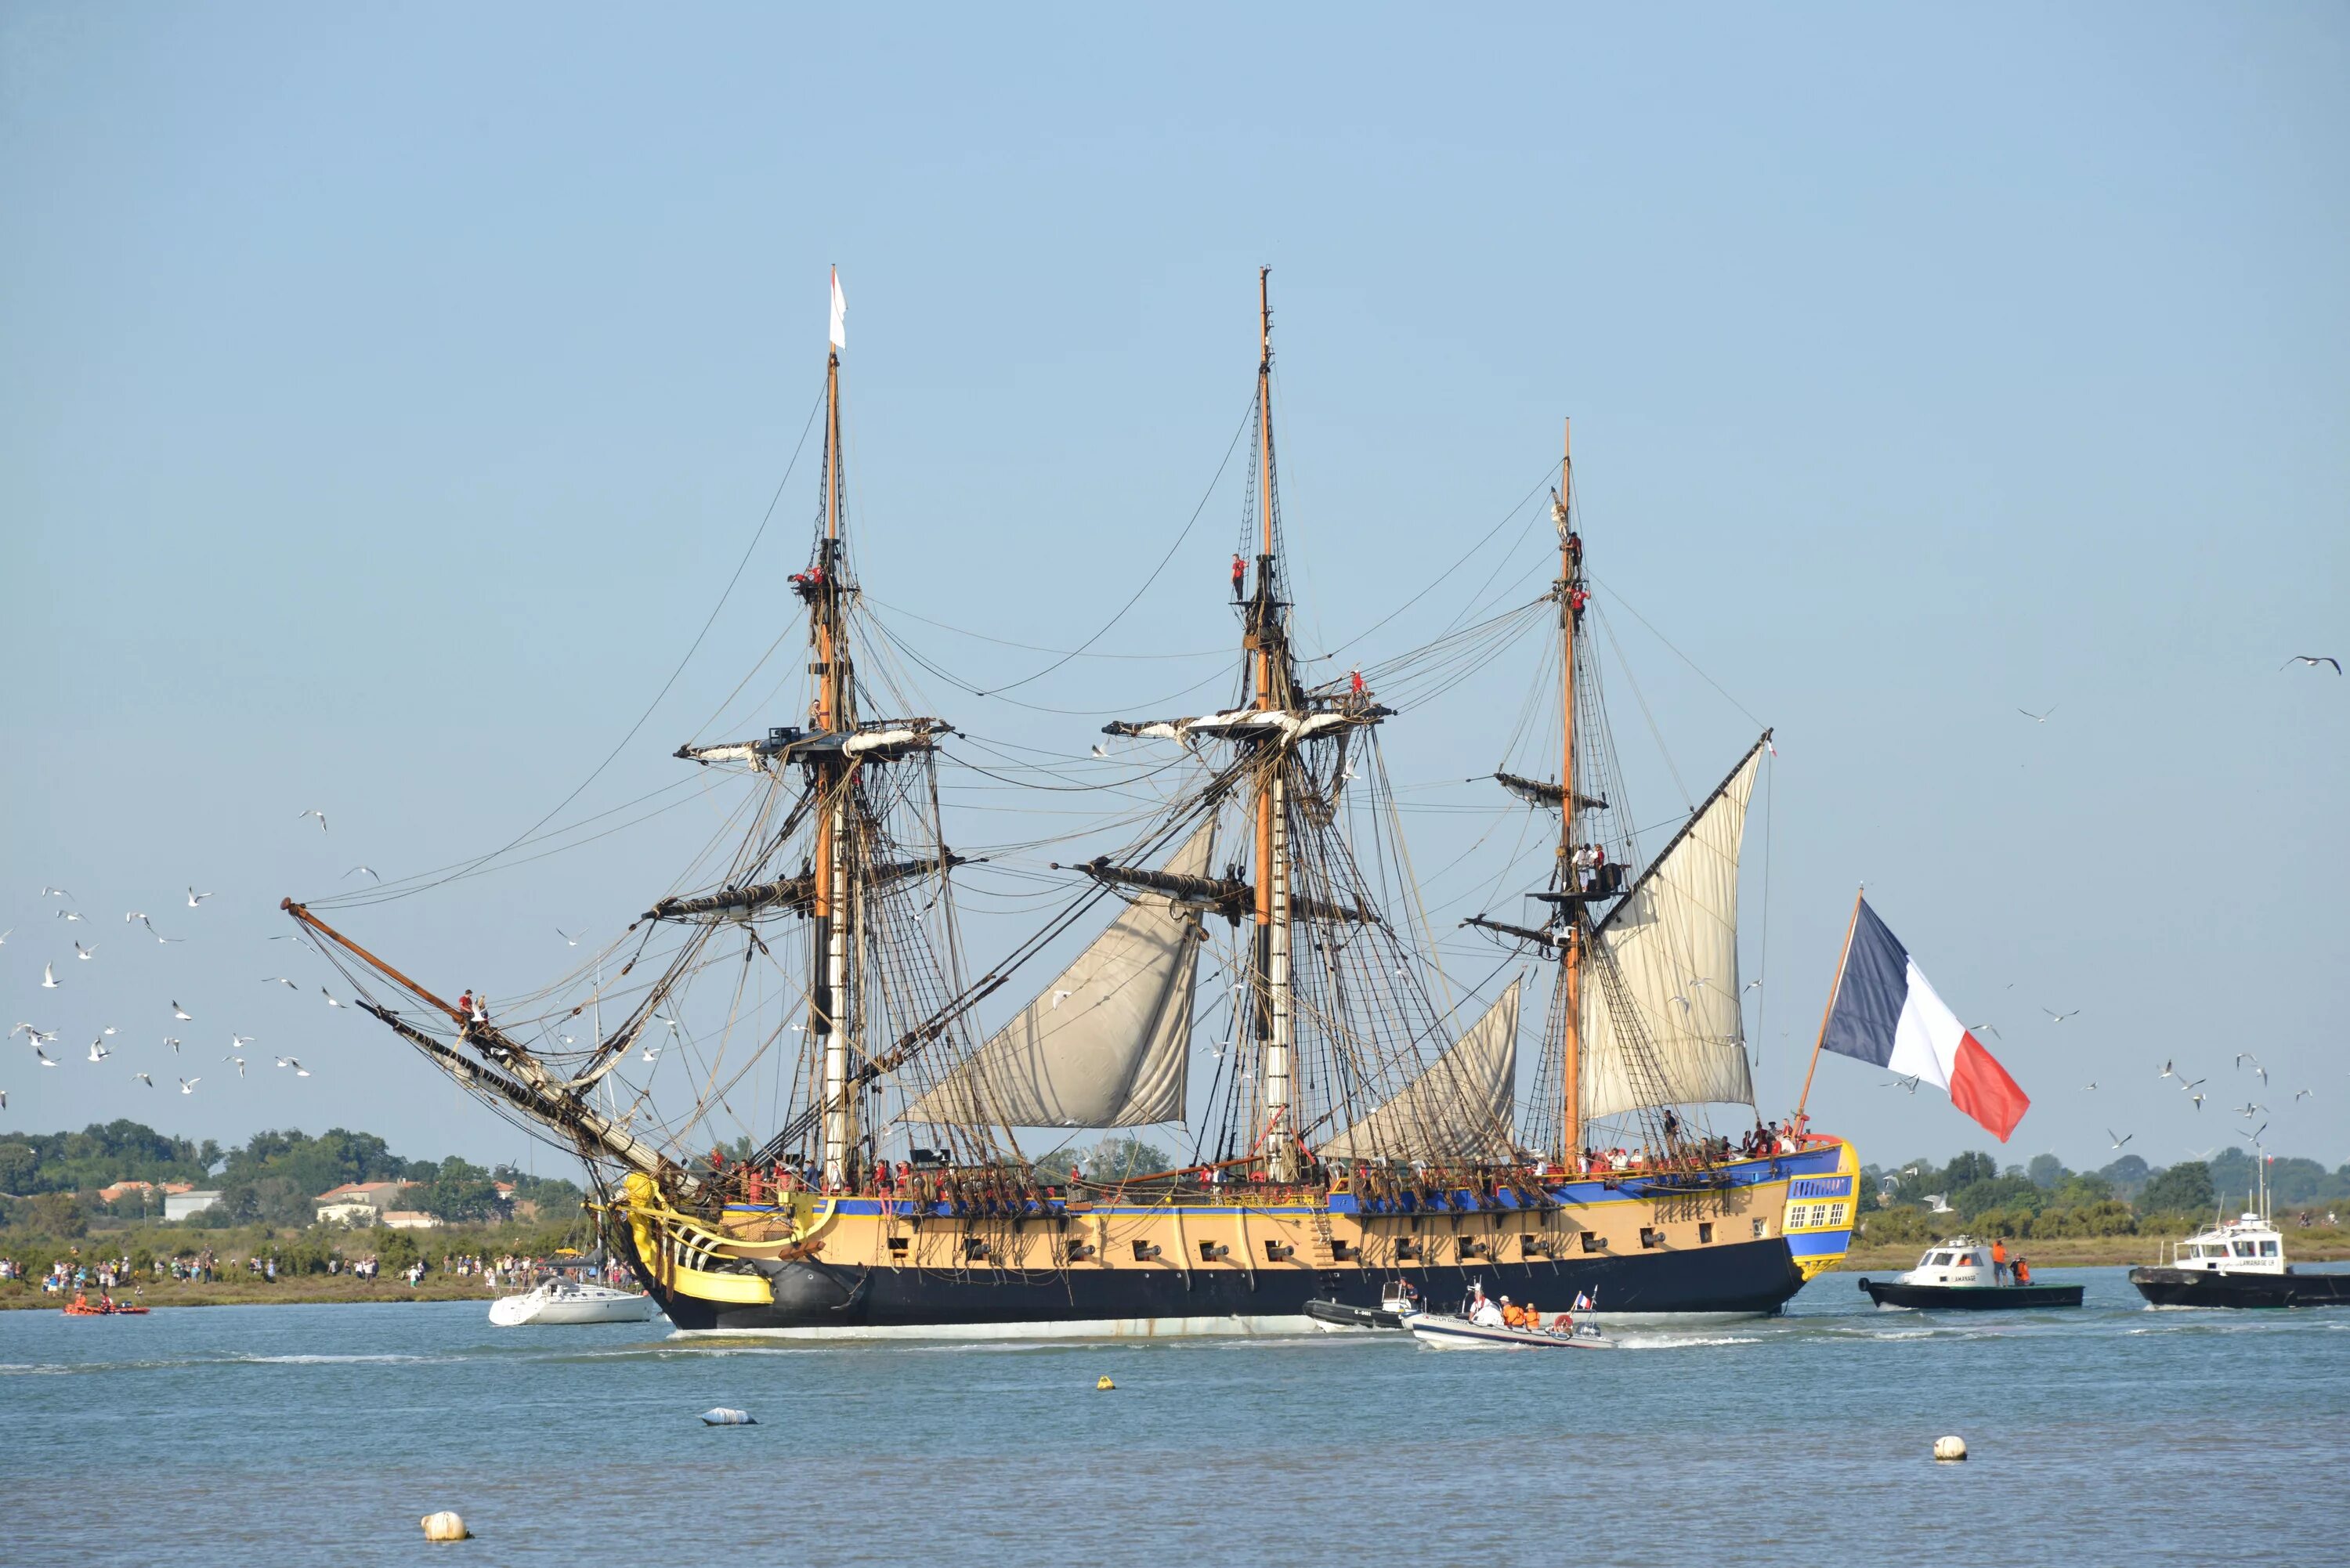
(1674, 940)
(1104, 1045)
(1459, 1108)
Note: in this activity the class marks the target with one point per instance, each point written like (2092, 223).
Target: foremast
(1266, 637)
(832, 712)
(1571, 597)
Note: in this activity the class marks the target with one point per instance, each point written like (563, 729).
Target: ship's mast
(1274, 689)
(828, 993)
(1578, 927)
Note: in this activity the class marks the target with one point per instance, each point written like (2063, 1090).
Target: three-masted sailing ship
(1360, 1126)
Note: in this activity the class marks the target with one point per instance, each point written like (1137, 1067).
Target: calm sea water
(321, 1435)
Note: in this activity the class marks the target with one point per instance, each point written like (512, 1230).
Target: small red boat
(104, 1306)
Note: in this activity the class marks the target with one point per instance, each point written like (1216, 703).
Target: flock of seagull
(99, 1048)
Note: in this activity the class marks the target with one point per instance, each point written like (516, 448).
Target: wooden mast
(1578, 928)
(1829, 1011)
(1272, 840)
(830, 951)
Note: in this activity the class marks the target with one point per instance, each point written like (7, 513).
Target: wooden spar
(1272, 912)
(1829, 1011)
(1578, 926)
(538, 1094)
(828, 952)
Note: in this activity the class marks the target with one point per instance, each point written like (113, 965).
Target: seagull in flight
(295, 1063)
(134, 915)
(2089, 1086)
(235, 1040)
(2056, 1017)
(2300, 1094)
(329, 996)
(279, 979)
(652, 1054)
(173, 1041)
(188, 1085)
(568, 940)
(358, 869)
(1991, 1029)
(1909, 1083)
(1753, 985)
(2118, 1141)
(49, 977)
(2249, 1110)
(2187, 1087)
(55, 892)
(1098, 751)
(156, 934)
(2039, 718)
(71, 915)
(99, 1053)
(2198, 1100)
(195, 897)
(2313, 660)
(83, 953)
(180, 1013)
(2263, 1072)
(46, 1060)
(314, 811)
(3, 937)
(2167, 1065)
(144, 1079)
(2244, 1056)
(1059, 994)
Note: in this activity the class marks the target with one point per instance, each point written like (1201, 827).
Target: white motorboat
(569, 1301)
(1478, 1326)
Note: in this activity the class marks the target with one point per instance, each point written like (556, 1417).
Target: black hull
(1752, 1278)
(2217, 1288)
(1338, 1315)
(1971, 1298)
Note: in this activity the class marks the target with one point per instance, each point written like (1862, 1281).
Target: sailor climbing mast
(828, 993)
(1570, 589)
(1273, 691)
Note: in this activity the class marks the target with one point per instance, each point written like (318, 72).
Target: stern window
(2268, 1249)
(2243, 1249)
(1939, 1260)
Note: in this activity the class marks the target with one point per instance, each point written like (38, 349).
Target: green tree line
(2046, 1198)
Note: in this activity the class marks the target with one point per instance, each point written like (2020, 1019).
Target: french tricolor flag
(1885, 1013)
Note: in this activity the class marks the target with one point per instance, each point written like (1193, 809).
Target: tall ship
(1256, 970)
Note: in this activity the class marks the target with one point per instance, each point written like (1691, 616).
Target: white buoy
(1950, 1449)
(445, 1526)
(726, 1416)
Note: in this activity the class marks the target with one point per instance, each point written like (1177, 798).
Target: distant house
(186, 1202)
(410, 1219)
(360, 1202)
(121, 1189)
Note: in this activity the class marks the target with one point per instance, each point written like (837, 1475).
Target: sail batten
(1674, 940)
(1458, 1108)
(1104, 1045)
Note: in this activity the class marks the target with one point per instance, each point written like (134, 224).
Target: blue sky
(386, 398)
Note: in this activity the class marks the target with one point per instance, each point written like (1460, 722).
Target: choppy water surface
(321, 1434)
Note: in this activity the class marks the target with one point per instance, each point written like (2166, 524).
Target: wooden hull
(1970, 1298)
(2219, 1288)
(877, 1268)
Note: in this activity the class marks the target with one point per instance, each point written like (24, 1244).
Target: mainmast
(831, 712)
(1266, 637)
(1578, 926)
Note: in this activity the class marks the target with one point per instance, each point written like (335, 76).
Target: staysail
(1674, 941)
(1104, 1045)
(1459, 1108)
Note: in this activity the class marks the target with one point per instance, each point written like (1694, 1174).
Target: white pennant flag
(840, 314)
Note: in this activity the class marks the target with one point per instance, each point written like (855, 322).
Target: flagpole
(1829, 1011)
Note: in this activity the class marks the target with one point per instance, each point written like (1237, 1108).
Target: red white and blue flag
(1885, 1013)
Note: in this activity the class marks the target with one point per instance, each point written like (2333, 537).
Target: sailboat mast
(830, 951)
(1272, 835)
(1570, 583)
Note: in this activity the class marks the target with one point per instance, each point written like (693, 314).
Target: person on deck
(2022, 1270)
(1998, 1261)
(1484, 1313)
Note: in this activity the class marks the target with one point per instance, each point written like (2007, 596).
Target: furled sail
(1674, 941)
(1459, 1108)
(1105, 1044)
